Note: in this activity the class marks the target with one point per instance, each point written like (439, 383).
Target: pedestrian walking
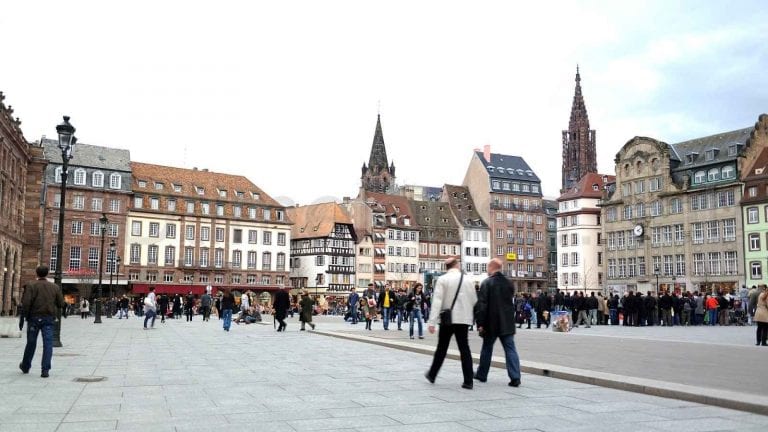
(761, 316)
(42, 301)
(205, 305)
(413, 306)
(353, 301)
(369, 311)
(177, 306)
(454, 297)
(123, 307)
(218, 306)
(227, 304)
(150, 308)
(307, 305)
(84, 308)
(189, 305)
(162, 307)
(282, 304)
(495, 316)
(386, 304)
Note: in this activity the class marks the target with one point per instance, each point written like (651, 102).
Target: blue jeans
(712, 316)
(150, 314)
(227, 313)
(400, 319)
(353, 313)
(614, 313)
(385, 317)
(36, 325)
(416, 314)
(510, 352)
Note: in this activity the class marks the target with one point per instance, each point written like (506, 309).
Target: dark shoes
(479, 379)
(514, 383)
(312, 325)
(467, 386)
(44, 374)
(23, 370)
(429, 378)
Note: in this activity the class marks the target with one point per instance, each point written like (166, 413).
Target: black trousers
(281, 322)
(443, 340)
(762, 332)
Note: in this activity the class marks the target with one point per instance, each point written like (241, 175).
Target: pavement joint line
(721, 398)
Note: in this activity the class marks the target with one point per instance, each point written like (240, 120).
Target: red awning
(162, 288)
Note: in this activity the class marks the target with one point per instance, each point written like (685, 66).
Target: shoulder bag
(445, 314)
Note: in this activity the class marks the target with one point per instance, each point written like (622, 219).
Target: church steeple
(379, 175)
(579, 154)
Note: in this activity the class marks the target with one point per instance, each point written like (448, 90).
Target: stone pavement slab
(196, 377)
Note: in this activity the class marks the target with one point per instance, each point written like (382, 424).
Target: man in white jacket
(462, 314)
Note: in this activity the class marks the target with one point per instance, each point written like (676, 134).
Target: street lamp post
(111, 274)
(117, 271)
(103, 221)
(67, 142)
(656, 272)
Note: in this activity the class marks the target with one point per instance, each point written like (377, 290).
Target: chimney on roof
(194, 168)
(487, 152)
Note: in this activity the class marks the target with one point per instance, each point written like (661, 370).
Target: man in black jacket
(42, 300)
(495, 316)
(282, 303)
(543, 304)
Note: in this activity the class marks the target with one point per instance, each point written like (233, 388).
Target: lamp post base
(97, 307)
(57, 333)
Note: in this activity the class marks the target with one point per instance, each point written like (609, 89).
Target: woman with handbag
(455, 299)
(368, 307)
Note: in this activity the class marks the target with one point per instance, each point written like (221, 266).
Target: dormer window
(97, 179)
(445, 220)
(407, 221)
(158, 186)
(142, 183)
(491, 169)
(500, 169)
(691, 157)
(529, 173)
(223, 193)
(469, 207)
(255, 196)
(393, 220)
(423, 207)
(710, 154)
(510, 171)
(176, 187)
(239, 194)
(595, 187)
(200, 190)
(520, 172)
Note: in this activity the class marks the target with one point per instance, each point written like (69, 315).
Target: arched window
(699, 177)
(97, 180)
(79, 177)
(728, 172)
(626, 169)
(655, 164)
(57, 175)
(114, 181)
(713, 174)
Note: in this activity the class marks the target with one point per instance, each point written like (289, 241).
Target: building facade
(754, 207)
(550, 209)
(508, 196)
(190, 228)
(439, 236)
(473, 231)
(98, 184)
(579, 142)
(673, 220)
(579, 235)
(16, 160)
(322, 249)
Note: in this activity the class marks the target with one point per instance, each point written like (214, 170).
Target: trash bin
(561, 321)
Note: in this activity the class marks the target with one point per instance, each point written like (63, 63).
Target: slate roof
(378, 158)
(189, 179)
(513, 167)
(463, 206)
(721, 142)
(318, 220)
(435, 217)
(86, 155)
(585, 188)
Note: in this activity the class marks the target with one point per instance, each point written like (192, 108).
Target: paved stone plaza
(193, 376)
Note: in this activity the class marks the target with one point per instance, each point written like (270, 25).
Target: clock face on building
(638, 230)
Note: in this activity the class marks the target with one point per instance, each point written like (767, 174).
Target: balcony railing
(341, 269)
(340, 287)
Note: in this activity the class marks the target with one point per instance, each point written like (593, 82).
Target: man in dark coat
(282, 303)
(42, 302)
(495, 316)
(543, 304)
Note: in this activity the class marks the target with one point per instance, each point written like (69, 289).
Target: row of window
(516, 203)
(521, 252)
(709, 263)
(205, 208)
(515, 187)
(110, 230)
(753, 214)
(97, 204)
(697, 201)
(198, 189)
(473, 235)
(710, 231)
(394, 234)
(727, 172)
(629, 188)
(91, 261)
(79, 178)
(205, 233)
(431, 249)
(235, 278)
(574, 259)
(519, 218)
(522, 236)
(203, 257)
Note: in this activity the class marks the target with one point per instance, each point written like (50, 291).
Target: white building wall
(473, 238)
(587, 248)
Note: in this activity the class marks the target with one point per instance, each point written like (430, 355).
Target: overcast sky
(286, 92)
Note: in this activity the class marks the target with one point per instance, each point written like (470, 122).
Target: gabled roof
(237, 187)
(507, 167)
(590, 186)
(393, 205)
(435, 217)
(759, 169)
(86, 155)
(699, 146)
(463, 206)
(318, 220)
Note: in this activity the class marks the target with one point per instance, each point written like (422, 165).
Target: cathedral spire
(579, 154)
(379, 175)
